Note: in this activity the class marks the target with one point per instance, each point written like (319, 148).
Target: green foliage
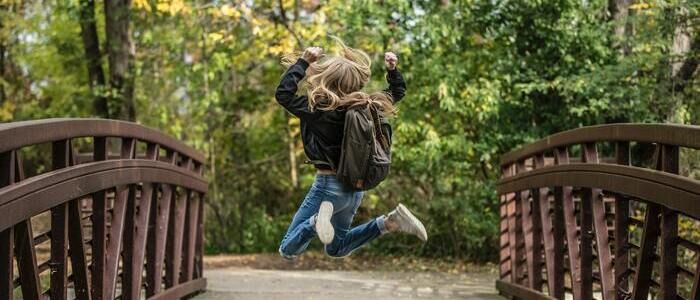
(483, 77)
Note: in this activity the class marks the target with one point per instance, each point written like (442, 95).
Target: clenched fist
(390, 60)
(312, 54)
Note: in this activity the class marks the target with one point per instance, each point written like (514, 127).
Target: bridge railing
(103, 209)
(605, 225)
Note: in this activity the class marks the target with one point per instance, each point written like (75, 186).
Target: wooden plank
(645, 259)
(158, 232)
(622, 208)
(26, 261)
(531, 234)
(59, 252)
(114, 243)
(596, 203)
(514, 291)
(125, 194)
(99, 227)
(7, 176)
(200, 238)
(192, 213)
(669, 254)
(183, 290)
(505, 234)
(605, 261)
(62, 153)
(134, 254)
(512, 240)
(78, 258)
(6, 265)
(669, 231)
(129, 246)
(537, 247)
(24, 248)
(563, 195)
(585, 259)
(695, 294)
(519, 240)
(136, 231)
(155, 248)
(173, 254)
(553, 253)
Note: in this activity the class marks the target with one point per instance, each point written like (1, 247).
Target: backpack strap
(378, 126)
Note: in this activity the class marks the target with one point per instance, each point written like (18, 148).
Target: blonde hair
(336, 81)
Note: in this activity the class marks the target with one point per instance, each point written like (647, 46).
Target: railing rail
(604, 228)
(130, 203)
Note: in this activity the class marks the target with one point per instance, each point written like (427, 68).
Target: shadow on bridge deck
(240, 283)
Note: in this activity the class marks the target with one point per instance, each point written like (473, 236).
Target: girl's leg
(348, 240)
(301, 230)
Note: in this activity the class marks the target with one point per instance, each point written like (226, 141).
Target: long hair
(336, 81)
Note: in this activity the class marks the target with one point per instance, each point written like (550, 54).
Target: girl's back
(334, 84)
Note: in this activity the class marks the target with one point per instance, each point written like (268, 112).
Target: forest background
(484, 76)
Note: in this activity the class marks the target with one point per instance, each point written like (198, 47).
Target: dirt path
(251, 284)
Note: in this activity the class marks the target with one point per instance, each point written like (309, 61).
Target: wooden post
(622, 208)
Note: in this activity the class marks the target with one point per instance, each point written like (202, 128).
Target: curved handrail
(676, 192)
(25, 133)
(671, 134)
(40, 193)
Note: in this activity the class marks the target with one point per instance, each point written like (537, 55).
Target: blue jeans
(345, 203)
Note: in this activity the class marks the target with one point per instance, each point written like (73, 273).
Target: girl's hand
(312, 54)
(390, 60)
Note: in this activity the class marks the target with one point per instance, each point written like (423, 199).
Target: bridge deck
(239, 283)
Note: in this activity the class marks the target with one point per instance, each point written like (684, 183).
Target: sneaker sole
(417, 223)
(324, 228)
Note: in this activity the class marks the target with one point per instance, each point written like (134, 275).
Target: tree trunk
(684, 63)
(93, 56)
(619, 11)
(2, 69)
(3, 50)
(120, 49)
(686, 45)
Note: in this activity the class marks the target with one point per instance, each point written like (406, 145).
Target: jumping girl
(334, 84)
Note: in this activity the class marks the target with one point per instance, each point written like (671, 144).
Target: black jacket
(322, 131)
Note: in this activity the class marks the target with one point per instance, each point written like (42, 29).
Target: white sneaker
(324, 228)
(406, 222)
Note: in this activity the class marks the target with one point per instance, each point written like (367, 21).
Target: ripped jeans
(345, 203)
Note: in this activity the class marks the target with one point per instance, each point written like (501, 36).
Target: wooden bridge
(119, 213)
(120, 199)
(604, 225)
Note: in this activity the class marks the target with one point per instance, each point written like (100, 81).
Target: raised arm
(287, 89)
(397, 85)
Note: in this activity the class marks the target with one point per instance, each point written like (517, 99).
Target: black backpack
(366, 151)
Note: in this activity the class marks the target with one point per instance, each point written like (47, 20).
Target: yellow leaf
(163, 7)
(215, 36)
(230, 11)
(173, 7)
(640, 6)
(442, 90)
(142, 4)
